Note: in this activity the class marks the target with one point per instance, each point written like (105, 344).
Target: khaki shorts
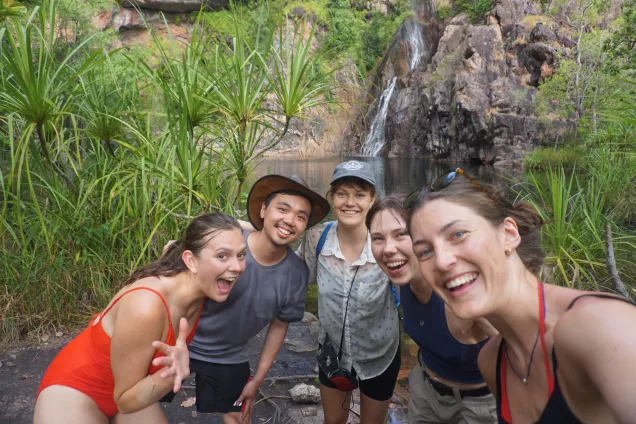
(428, 406)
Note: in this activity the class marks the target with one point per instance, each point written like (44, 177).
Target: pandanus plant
(39, 87)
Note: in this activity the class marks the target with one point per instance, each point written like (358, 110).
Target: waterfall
(375, 139)
(412, 50)
(413, 35)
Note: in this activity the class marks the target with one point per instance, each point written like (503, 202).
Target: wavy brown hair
(491, 204)
(200, 231)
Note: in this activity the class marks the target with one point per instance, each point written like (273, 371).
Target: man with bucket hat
(272, 290)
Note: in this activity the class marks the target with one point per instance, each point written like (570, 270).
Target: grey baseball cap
(354, 168)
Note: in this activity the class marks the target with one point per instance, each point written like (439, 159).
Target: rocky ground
(21, 369)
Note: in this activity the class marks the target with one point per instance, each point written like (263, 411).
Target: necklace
(524, 380)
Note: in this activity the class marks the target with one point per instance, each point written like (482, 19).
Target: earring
(508, 252)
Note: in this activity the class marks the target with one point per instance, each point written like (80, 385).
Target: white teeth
(231, 280)
(461, 280)
(350, 212)
(284, 231)
(395, 264)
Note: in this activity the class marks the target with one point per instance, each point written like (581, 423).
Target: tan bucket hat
(273, 183)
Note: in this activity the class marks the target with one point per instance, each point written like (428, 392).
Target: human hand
(247, 399)
(177, 358)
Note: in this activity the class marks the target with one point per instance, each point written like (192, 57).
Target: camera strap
(344, 323)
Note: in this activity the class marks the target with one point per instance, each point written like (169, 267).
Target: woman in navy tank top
(562, 355)
(445, 385)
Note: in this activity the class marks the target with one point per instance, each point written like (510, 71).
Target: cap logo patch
(352, 165)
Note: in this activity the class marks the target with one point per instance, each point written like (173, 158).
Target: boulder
(305, 393)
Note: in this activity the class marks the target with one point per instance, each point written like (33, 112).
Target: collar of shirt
(332, 248)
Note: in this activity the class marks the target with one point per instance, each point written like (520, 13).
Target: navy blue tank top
(426, 324)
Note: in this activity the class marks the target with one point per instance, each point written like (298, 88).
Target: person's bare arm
(596, 346)
(141, 320)
(273, 341)
(246, 226)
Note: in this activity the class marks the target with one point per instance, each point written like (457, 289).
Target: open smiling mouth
(462, 281)
(284, 231)
(396, 266)
(225, 283)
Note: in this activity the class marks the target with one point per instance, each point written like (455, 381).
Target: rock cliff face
(473, 99)
(175, 6)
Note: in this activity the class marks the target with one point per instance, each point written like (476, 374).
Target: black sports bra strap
(602, 296)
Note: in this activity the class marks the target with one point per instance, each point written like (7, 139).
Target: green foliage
(621, 46)
(548, 157)
(344, 29)
(10, 8)
(576, 212)
(475, 9)
(363, 36)
(104, 156)
(310, 10)
(444, 12)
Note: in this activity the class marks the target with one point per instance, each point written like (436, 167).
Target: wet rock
(541, 33)
(298, 414)
(310, 411)
(300, 346)
(314, 331)
(309, 317)
(305, 393)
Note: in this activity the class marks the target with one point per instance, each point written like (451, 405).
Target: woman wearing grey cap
(359, 321)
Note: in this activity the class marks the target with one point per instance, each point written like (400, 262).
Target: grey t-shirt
(261, 294)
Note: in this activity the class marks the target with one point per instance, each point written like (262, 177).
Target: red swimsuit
(84, 363)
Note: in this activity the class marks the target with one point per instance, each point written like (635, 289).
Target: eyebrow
(444, 228)
(287, 205)
(229, 249)
(450, 224)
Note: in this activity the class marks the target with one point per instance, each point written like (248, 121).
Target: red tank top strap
(505, 405)
(135, 289)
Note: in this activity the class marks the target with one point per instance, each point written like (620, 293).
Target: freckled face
(392, 247)
(351, 204)
(461, 255)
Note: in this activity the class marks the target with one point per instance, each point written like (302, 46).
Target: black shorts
(219, 385)
(379, 388)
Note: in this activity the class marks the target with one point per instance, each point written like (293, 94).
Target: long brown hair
(200, 231)
(493, 206)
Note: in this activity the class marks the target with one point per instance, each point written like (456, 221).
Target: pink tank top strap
(135, 289)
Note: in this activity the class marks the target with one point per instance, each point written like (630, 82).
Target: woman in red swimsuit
(562, 355)
(115, 370)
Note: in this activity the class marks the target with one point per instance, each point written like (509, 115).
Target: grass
(550, 157)
(103, 157)
(576, 210)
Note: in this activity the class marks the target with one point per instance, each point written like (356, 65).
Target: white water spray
(375, 139)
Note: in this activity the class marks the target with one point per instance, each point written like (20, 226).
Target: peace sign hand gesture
(177, 359)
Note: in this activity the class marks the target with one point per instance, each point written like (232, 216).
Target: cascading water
(375, 139)
(412, 35)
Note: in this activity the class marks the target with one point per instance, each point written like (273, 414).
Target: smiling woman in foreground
(445, 385)
(116, 370)
(562, 356)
